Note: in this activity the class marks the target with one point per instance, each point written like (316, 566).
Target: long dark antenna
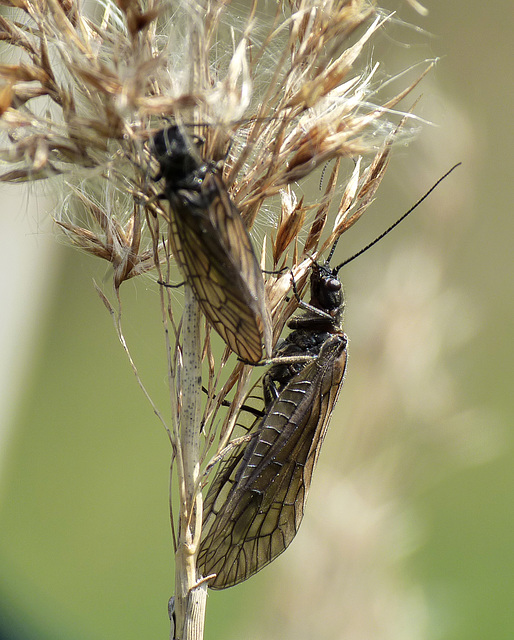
(395, 224)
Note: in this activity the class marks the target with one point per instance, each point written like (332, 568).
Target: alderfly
(256, 501)
(211, 245)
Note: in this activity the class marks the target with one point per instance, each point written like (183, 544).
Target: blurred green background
(409, 526)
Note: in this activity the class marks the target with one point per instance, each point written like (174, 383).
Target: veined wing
(213, 248)
(268, 480)
(212, 245)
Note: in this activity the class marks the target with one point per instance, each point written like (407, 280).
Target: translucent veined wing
(212, 247)
(256, 502)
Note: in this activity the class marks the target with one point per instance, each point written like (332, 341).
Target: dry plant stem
(195, 614)
(190, 599)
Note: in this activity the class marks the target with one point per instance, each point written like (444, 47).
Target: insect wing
(215, 252)
(268, 481)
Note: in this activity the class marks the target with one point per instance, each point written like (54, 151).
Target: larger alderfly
(212, 247)
(255, 504)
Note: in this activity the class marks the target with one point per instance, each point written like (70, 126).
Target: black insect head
(180, 164)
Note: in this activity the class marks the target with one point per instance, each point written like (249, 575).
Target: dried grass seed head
(284, 93)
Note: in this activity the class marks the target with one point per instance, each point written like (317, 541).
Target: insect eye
(333, 284)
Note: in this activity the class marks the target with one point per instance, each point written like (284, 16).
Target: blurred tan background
(409, 526)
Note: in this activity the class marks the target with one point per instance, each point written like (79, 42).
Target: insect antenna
(389, 229)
